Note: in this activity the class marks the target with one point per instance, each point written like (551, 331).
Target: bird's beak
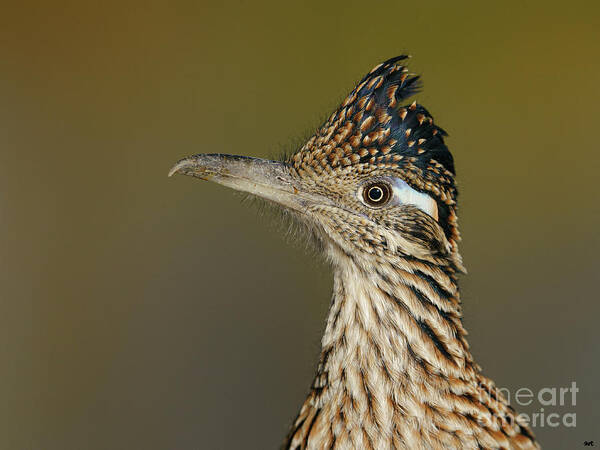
(270, 180)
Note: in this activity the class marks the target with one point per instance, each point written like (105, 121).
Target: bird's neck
(393, 343)
(398, 320)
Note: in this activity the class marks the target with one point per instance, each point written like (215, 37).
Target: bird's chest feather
(386, 380)
(370, 391)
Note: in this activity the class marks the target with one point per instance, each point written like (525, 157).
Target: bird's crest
(372, 131)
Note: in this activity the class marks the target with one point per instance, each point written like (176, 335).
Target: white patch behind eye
(406, 195)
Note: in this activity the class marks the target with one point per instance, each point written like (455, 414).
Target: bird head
(376, 178)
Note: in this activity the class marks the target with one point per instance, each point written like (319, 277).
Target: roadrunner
(376, 185)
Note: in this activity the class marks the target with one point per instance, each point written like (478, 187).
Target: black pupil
(375, 194)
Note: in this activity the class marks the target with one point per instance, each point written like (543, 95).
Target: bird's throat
(403, 316)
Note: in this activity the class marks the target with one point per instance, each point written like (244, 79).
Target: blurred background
(141, 312)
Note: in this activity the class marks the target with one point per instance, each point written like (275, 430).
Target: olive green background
(141, 312)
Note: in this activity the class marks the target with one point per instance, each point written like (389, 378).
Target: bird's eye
(377, 194)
